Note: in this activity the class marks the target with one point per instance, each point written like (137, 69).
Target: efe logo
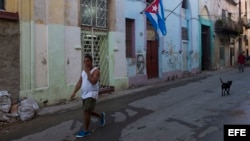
(237, 132)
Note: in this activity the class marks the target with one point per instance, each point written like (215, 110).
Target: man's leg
(86, 120)
(89, 107)
(241, 67)
(89, 111)
(93, 113)
(87, 117)
(241, 70)
(98, 115)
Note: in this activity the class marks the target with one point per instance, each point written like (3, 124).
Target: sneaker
(102, 120)
(82, 134)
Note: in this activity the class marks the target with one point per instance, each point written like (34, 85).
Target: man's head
(88, 61)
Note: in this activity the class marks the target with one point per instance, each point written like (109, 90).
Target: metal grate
(95, 43)
(2, 5)
(94, 13)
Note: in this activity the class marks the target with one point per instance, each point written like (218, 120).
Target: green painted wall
(32, 14)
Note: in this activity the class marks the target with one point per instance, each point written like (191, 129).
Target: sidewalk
(70, 105)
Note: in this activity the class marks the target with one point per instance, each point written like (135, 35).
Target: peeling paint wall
(11, 5)
(49, 46)
(212, 10)
(9, 58)
(116, 41)
(136, 66)
(170, 49)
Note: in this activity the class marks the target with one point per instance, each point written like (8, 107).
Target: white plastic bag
(5, 102)
(27, 109)
(4, 117)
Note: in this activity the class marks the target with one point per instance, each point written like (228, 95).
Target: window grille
(2, 5)
(184, 33)
(95, 43)
(130, 23)
(184, 4)
(94, 13)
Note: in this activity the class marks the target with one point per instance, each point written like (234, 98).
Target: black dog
(225, 87)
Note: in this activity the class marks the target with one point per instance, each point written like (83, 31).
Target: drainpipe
(240, 39)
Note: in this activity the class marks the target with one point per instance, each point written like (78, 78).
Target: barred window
(184, 4)
(130, 35)
(184, 33)
(2, 5)
(94, 13)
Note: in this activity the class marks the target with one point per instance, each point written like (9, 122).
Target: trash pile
(23, 110)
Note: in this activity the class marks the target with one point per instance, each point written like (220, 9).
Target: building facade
(55, 35)
(164, 58)
(245, 16)
(224, 19)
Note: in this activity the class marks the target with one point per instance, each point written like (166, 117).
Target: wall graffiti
(174, 60)
(194, 59)
(140, 64)
(173, 55)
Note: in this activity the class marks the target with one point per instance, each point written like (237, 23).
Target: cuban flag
(155, 14)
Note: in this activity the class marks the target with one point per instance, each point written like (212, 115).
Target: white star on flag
(154, 8)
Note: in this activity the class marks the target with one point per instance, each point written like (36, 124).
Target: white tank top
(88, 89)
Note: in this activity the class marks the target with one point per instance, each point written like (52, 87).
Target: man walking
(241, 62)
(89, 84)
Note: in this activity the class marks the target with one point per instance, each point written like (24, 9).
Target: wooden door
(152, 59)
(206, 54)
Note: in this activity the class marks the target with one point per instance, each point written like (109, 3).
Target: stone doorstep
(106, 89)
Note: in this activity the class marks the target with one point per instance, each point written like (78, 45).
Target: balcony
(246, 22)
(230, 27)
(233, 2)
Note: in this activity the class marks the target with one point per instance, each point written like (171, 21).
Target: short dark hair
(88, 56)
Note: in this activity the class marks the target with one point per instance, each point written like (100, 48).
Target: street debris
(27, 109)
(23, 110)
(5, 104)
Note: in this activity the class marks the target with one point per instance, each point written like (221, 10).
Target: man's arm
(77, 87)
(94, 77)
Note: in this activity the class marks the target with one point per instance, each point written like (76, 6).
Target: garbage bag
(5, 102)
(27, 109)
(13, 111)
(4, 117)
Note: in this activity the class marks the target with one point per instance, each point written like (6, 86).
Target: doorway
(206, 53)
(152, 59)
(185, 55)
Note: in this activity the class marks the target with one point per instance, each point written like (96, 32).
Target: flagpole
(173, 10)
(144, 8)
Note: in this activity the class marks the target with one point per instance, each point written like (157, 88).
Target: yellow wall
(11, 5)
(23, 7)
(56, 11)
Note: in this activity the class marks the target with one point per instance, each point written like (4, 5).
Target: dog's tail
(221, 80)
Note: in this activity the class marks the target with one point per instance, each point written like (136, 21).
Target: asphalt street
(187, 109)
